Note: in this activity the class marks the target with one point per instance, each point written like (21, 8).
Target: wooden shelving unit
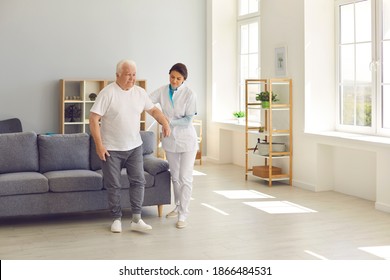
(76, 100)
(273, 127)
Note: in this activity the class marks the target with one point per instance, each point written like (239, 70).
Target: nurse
(178, 103)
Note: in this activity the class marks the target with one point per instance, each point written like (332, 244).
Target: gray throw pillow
(63, 152)
(148, 142)
(154, 165)
(18, 152)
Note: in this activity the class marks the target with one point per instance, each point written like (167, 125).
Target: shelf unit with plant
(268, 127)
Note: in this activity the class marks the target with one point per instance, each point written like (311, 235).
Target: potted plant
(264, 97)
(239, 115)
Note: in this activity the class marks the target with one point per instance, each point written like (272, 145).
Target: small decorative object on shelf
(264, 98)
(73, 112)
(257, 145)
(92, 96)
(75, 97)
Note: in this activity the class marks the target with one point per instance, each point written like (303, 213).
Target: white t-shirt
(182, 138)
(120, 112)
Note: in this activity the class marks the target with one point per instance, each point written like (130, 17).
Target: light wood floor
(219, 228)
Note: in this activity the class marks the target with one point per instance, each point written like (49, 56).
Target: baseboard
(215, 160)
(382, 207)
(303, 185)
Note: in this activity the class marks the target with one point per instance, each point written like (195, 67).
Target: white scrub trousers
(181, 166)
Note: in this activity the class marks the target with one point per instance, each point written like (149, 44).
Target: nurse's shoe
(172, 214)
(181, 224)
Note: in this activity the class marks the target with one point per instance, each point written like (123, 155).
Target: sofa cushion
(74, 180)
(19, 152)
(148, 142)
(155, 165)
(23, 183)
(63, 152)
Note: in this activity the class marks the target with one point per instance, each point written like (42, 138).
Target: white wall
(43, 41)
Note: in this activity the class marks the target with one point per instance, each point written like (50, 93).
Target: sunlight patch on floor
(315, 255)
(243, 194)
(198, 173)
(215, 209)
(279, 207)
(379, 251)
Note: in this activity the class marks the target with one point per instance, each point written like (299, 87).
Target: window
(363, 66)
(247, 7)
(248, 22)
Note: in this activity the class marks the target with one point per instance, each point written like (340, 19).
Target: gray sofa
(10, 125)
(51, 174)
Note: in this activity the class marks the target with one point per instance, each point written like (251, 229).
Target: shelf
(255, 130)
(73, 123)
(274, 156)
(275, 125)
(275, 107)
(279, 177)
(73, 101)
(277, 155)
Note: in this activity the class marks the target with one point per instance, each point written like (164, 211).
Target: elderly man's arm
(95, 132)
(161, 119)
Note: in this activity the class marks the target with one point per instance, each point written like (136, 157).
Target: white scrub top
(183, 138)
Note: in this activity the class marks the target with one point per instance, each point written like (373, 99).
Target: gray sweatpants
(133, 162)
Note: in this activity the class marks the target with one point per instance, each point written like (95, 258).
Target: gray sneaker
(140, 226)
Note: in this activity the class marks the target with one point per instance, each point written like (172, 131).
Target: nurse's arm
(184, 121)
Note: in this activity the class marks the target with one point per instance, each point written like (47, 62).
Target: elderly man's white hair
(123, 62)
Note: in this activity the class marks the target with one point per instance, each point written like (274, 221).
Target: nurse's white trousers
(181, 166)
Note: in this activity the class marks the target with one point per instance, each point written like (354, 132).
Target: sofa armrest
(154, 165)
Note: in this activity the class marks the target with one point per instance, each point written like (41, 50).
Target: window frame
(246, 20)
(378, 62)
(377, 110)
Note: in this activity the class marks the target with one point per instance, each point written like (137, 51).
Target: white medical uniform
(182, 145)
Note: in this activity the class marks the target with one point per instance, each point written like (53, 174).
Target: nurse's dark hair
(181, 68)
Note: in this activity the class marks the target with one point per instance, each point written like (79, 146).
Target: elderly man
(118, 142)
